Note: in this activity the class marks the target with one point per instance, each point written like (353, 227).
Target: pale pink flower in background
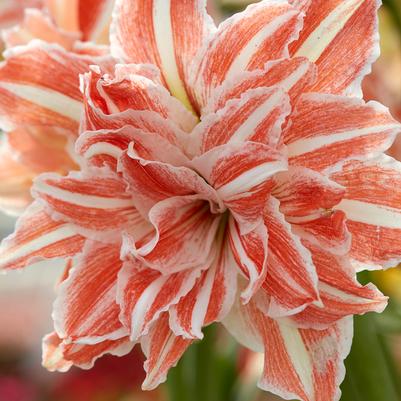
(210, 157)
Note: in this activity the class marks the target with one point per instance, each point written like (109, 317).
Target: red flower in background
(210, 155)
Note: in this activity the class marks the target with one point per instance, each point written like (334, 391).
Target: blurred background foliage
(373, 367)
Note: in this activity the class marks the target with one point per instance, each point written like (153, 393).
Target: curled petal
(291, 280)
(242, 176)
(152, 182)
(210, 299)
(250, 253)
(163, 350)
(86, 310)
(265, 29)
(135, 87)
(307, 199)
(304, 364)
(157, 32)
(328, 130)
(341, 37)
(37, 237)
(105, 147)
(60, 356)
(185, 230)
(144, 294)
(372, 204)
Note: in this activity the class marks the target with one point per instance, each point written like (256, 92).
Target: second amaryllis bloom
(226, 174)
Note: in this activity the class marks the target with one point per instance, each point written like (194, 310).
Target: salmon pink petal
(37, 237)
(341, 37)
(144, 294)
(328, 130)
(157, 32)
(210, 299)
(39, 86)
(152, 182)
(291, 75)
(41, 149)
(304, 364)
(183, 237)
(86, 310)
(96, 202)
(60, 356)
(135, 87)
(250, 253)
(256, 116)
(37, 25)
(307, 199)
(242, 176)
(291, 280)
(245, 42)
(340, 292)
(15, 182)
(372, 204)
(105, 147)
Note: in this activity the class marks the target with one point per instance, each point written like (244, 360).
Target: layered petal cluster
(227, 173)
(41, 105)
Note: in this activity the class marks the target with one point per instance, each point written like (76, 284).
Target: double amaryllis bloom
(225, 174)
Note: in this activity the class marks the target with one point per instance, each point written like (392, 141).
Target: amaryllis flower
(226, 174)
(38, 135)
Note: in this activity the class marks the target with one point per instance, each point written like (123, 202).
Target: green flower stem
(371, 372)
(394, 7)
(198, 376)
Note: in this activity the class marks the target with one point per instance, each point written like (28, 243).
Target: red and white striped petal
(342, 38)
(291, 75)
(340, 292)
(135, 87)
(291, 280)
(245, 42)
(37, 25)
(152, 182)
(144, 294)
(37, 237)
(210, 299)
(328, 130)
(241, 174)
(60, 356)
(15, 182)
(250, 253)
(39, 85)
(183, 237)
(257, 116)
(163, 350)
(95, 201)
(85, 310)
(304, 364)
(157, 32)
(372, 204)
(307, 199)
(97, 115)
(105, 147)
